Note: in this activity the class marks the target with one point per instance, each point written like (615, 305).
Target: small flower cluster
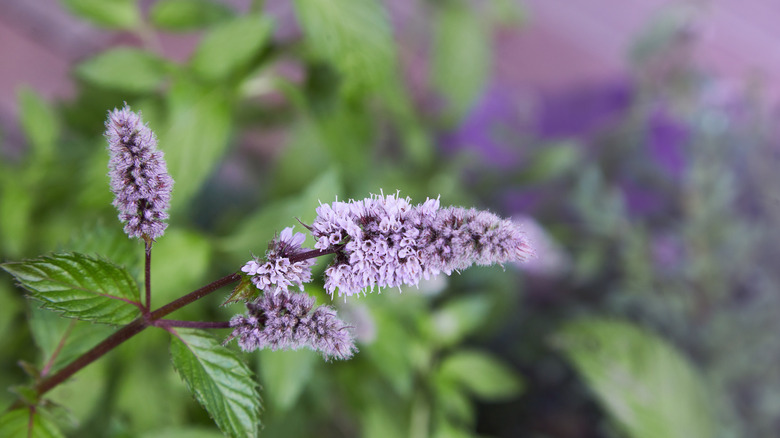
(277, 273)
(387, 242)
(139, 177)
(286, 321)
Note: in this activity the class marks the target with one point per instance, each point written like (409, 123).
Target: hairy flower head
(276, 273)
(139, 177)
(385, 241)
(286, 321)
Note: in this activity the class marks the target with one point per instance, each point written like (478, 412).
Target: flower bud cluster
(385, 241)
(286, 321)
(139, 177)
(276, 273)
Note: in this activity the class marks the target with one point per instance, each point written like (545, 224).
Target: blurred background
(635, 141)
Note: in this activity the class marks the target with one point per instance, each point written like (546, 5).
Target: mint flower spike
(286, 321)
(276, 273)
(384, 241)
(139, 177)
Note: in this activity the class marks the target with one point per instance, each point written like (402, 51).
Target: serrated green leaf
(230, 46)
(39, 122)
(481, 374)
(17, 424)
(461, 57)
(79, 286)
(352, 35)
(647, 387)
(197, 136)
(124, 69)
(184, 15)
(219, 380)
(110, 242)
(285, 374)
(121, 14)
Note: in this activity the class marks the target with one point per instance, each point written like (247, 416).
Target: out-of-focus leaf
(462, 57)
(551, 162)
(353, 36)
(184, 432)
(179, 261)
(17, 424)
(230, 46)
(481, 374)
(79, 286)
(453, 400)
(458, 318)
(67, 338)
(124, 69)
(121, 14)
(200, 122)
(219, 380)
(255, 233)
(285, 374)
(8, 306)
(381, 423)
(16, 207)
(644, 383)
(39, 122)
(387, 355)
(184, 15)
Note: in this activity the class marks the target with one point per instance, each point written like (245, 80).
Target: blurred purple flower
(666, 140)
(581, 112)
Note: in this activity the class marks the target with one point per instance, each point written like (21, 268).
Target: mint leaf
(124, 69)
(481, 374)
(79, 286)
(17, 424)
(121, 14)
(354, 36)
(644, 383)
(230, 45)
(219, 380)
(184, 15)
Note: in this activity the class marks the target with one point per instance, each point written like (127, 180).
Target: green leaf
(230, 46)
(124, 69)
(122, 14)
(39, 122)
(16, 207)
(16, 424)
(462, 57)
(79, 286)
(644, 383)
(481, 374)
(354, 36)
(285, 375)
(197, 136)
(109, 241)
(552, 162)
(244, 291)
(458, 318)
(183, 432)
(184, 15)
(219, 380)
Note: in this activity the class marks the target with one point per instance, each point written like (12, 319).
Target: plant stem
(148, 278)
(192, 324)
(126, 333)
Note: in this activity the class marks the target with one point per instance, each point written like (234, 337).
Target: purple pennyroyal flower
(139, 177)
(384, 241)
(286, 321)
(276, 273)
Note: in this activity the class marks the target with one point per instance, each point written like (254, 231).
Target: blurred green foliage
(488, 352)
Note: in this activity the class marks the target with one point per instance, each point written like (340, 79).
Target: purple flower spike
(276, 273)
(384, 241)
(285, 321)
(139, 177)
